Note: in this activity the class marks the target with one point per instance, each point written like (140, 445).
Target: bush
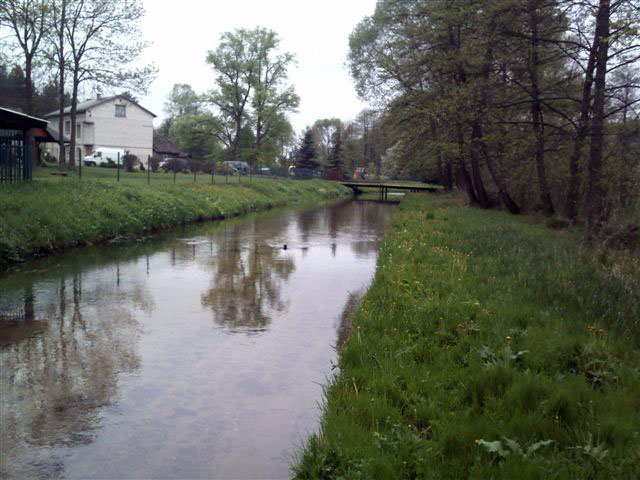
(194, 165)
(154, 162)
(130, 162)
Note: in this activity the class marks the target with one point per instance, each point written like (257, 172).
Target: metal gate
(15, 156)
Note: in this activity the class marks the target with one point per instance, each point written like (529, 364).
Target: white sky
(317, 32)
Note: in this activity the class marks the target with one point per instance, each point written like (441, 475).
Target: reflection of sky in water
(198, 354)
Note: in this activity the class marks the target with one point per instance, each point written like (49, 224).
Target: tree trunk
(258, 146)
(581, 133)
(481, 193)
(448, 172)
(61, 153)
(536, 114)
(233, 150)
(508, 202)
(595, 192)
(463, 177)
(28, 80)
(74, 107)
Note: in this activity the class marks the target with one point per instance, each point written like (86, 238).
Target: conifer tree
(335, 157)
(307, 152)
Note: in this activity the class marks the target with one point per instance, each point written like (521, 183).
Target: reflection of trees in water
(337, 217)
(60, 363)
(369, 221)
(249, 270)
(307, 220)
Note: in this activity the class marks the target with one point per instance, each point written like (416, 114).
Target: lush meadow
(488, 346)
(43, 216)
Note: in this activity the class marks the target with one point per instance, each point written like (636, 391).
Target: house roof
(49, 134)
(11, 119)
(163, 146)
(84, 106)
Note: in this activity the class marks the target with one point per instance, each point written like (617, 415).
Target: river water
(200, 353)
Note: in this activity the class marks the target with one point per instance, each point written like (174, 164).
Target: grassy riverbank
(43, 216)
(488, 346)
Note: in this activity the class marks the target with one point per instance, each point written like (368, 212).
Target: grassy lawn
(137, 177)
(488, 346)
(53, 213)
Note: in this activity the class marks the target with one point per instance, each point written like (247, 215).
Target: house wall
(134, 132)
(101, 128)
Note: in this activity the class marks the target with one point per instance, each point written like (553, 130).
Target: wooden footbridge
(383, 188)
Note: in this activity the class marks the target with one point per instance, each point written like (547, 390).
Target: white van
(102, 155)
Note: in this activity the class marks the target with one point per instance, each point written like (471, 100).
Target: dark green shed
(16, 145)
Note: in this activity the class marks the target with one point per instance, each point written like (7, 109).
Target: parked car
(174, 164)
(239, 167)
(104, 156)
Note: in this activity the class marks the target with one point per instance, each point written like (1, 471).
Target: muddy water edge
(200, 353)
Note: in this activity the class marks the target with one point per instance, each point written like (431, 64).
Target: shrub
(154, 162)
(130, 162)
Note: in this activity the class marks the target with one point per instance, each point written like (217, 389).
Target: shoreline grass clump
(41, 217)
(488, 346)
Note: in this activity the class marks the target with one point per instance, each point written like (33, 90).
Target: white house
(112, 122)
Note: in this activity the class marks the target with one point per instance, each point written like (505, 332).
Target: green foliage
(194, 134)
(487, 346)
(182, 101)
(335, 161)
(488, 99)
(306, 155)
(48, 215)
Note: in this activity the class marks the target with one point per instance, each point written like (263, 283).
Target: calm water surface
(197, 354)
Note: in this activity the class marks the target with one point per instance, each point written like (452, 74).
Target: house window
(67, 126)
(78, 131)
(121, 111)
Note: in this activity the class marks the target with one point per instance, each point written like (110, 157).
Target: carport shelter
(17, 145)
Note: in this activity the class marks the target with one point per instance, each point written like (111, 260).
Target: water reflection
(248, 273)
(106, 350)
(61, 357)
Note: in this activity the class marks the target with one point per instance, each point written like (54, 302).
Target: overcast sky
(317, 32)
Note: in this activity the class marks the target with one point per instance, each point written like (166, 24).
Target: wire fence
(153, 172)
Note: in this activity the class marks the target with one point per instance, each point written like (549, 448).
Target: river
(198, 353)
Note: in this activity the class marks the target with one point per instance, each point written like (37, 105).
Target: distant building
(111, 122)
(165, 148)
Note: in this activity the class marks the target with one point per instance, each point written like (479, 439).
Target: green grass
(137, 177)
(488, 346)
(46, 215)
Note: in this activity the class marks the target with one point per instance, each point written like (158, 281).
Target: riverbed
(199, 353)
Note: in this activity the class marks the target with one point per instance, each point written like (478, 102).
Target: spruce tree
(335, 157)
(307, 153)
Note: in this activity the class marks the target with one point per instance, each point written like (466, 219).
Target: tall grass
(43, 216)
(488, 346)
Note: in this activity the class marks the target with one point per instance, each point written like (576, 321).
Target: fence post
(148, 169)
(174, 174)
(118, 167)
(195, 171)
(213, 172)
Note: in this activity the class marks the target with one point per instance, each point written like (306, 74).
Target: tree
(182, 101)
(194, 134)
(235, 63)
(26, 21)
(307, 152)
(272, 98)
(324, 131)
(335, 161)
(99, 36)
(59, 58)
